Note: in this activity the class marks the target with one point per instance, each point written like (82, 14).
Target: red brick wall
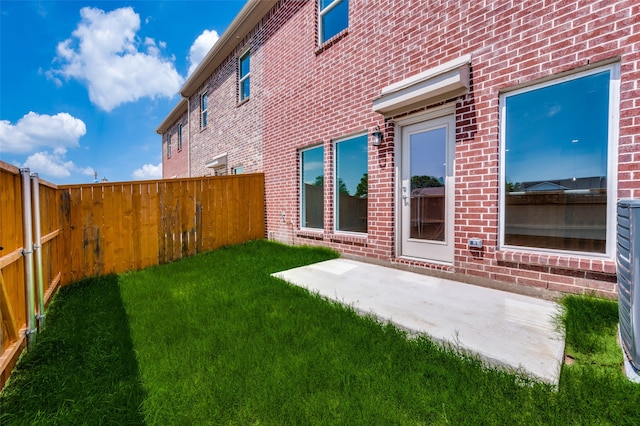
(233, 128)
(313, 95)
(177, 165)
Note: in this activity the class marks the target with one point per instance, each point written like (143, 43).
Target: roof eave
(244, 22)
(173, 116)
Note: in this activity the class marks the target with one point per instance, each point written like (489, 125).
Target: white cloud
(35, 131)
(105, 54)
(148, 171)
(54, 164)
(200, 48)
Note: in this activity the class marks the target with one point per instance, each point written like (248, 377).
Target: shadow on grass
(83, 368)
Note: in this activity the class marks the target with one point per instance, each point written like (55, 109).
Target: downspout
(27, 252)
(189, 136)
(37, 247)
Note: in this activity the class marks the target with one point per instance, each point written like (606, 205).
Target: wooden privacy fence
(95, 229)
(116, 227)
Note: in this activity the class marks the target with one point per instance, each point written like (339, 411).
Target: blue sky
(84, 84)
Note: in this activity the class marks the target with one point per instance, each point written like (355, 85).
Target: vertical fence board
(128, 228)
(148, 226)
(162, 235)
(136, 221)
(205, 213)
(198, 217)
(97, 210)
(109, 230)
(220, 232)
(88, 225)
(118, 230)
(75, 234)
(65, 228)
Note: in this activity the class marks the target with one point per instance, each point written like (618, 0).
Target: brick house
(488, 141)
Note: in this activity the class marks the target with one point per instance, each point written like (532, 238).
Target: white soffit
(218, 161)
(443, 82)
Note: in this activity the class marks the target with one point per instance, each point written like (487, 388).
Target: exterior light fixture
(378, 136)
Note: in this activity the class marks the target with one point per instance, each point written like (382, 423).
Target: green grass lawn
(214, 339)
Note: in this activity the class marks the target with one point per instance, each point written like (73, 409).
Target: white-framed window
(168, 145)
(351, 184)
(237, 170)
(204, 110)
(558, 168)
(179, 137)
(244, 76)
(312, 187)
(333, 17)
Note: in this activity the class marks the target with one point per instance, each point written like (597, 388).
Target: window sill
(576, 266)
(333, 40)
(244, 101)
(357, 239)
(310, 234)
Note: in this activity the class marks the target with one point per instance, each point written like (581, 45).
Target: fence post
(37, 247)
(27, 252)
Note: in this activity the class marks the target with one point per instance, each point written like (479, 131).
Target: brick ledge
(599, 269)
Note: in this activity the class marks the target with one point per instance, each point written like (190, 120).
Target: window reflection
(352, 186)
(556, 165)
(428, 170)
(312, 189)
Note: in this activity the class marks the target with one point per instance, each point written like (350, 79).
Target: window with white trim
(244, 76)
(558, 170)
(333, 17)
(312, 188)
(168, 145)
(351, 184)
(179, 137)
(204, 110)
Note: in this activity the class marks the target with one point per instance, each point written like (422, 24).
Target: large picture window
(333, 17)
(556, 183)
(351, 184)
(312, 188)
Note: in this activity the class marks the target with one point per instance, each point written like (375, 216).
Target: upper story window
(179, 137)
(244, 76)
(558, 170)
(169, 145)
(204, 99)
(351, 184)
(312, 188)
(333, 18)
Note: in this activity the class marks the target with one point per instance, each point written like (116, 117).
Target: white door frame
(435, 113)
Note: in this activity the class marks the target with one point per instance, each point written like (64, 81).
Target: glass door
(426, 197)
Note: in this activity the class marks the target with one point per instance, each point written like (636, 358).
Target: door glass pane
(428, 156)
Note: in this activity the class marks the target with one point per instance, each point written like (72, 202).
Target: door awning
(217, 161)
(443, 82)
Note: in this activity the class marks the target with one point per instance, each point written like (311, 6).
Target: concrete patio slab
(504, 329)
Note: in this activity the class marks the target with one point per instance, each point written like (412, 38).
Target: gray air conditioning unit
(628, 265)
